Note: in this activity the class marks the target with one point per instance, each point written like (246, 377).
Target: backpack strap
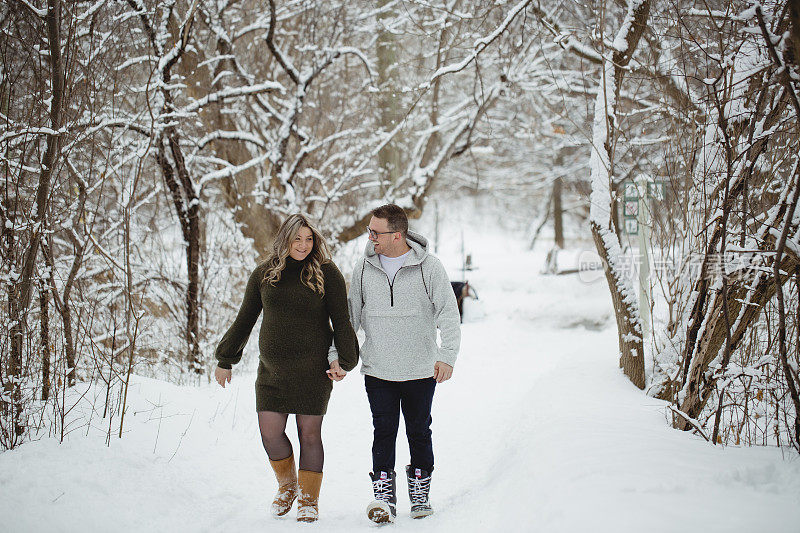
(363, 264)
(422, 275)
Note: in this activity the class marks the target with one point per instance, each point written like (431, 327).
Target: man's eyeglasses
(374, 234)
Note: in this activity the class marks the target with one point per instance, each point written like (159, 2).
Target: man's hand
(336, 373)
(222, 375)
(442, 372)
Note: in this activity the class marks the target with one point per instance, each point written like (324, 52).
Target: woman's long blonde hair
(311, 276)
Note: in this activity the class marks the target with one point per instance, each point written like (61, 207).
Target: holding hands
(336, 373)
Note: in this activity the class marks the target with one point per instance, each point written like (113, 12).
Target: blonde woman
(302, 294)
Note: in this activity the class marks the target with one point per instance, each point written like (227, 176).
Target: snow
(478, 46)
(600, 198)
(232, 135)
(358, 53)
(231, 92)
(40, 12)
(232, 170)
(538, 430)
(484, 41)
(620, 41)
(135, 61)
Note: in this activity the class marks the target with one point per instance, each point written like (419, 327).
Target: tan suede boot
(286, 474)
(309, 482)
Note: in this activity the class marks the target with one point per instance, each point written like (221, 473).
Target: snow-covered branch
(479, 46)
(231, 171)
(230, 92)
(232, 136)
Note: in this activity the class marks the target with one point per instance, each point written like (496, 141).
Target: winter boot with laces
(382, 510)
(419, 486)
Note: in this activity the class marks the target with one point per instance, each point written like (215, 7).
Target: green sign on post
(630, 206)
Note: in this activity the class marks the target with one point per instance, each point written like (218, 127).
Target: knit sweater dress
(294, 339)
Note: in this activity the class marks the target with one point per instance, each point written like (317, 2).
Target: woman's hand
(222, 375)
(336, 373)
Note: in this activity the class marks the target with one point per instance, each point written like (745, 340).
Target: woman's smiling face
(302, 244)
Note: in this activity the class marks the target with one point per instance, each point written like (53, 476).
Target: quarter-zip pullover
(400, 315)
(392, 264)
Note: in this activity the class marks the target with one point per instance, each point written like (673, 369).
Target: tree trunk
(193, 292)
(14, 372)
(629, 327)
(389, 100)
(62, 306)
(187, 204)
(69, 342)
(558, 214)
(747, 296)
(788, 371)
(44, 330)
(20, 296)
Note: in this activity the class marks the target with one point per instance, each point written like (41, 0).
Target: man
(400, 294)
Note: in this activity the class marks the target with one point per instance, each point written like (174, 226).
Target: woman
(301, 293)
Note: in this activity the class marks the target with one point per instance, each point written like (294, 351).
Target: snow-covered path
(537, 431)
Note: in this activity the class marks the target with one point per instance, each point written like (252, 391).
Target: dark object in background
(462, 290)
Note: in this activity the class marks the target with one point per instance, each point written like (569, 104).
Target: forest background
(150, 149)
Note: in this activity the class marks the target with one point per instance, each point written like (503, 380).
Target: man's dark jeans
(386, 399)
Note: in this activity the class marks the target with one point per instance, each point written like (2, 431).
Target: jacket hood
(418, 244)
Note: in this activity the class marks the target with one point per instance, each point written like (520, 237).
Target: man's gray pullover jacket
(400, 317)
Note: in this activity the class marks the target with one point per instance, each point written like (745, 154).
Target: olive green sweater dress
(294, 339)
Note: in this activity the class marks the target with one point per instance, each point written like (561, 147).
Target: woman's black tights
(277, 445)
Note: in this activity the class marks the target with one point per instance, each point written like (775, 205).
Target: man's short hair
(394, 215)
